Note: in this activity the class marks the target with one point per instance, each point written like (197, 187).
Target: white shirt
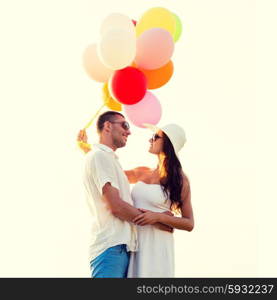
(102, 166)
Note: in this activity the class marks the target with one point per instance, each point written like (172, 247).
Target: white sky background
(46, 97)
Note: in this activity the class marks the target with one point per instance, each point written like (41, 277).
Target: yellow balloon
(109, 101)
(156, 17)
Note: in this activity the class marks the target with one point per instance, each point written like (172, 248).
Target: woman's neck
(160, 167)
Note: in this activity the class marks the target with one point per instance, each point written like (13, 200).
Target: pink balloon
(148, 110)
(154, 48)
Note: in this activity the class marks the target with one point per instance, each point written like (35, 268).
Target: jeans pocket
(118, 249)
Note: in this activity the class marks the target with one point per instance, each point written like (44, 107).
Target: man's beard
(118, 143)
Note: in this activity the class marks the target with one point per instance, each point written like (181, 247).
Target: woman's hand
(158, 225)
(146, 218)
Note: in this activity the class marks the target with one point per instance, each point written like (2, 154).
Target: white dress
(155, 255)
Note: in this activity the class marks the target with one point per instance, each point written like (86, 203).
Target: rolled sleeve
(103, 170)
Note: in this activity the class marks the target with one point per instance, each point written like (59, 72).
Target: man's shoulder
(98, 154)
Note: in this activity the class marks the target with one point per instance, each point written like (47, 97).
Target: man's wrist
(160, 217)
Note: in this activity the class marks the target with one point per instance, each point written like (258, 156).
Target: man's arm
(122, 209)
(117, 206)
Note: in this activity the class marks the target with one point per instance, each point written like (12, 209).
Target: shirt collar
(106, 148)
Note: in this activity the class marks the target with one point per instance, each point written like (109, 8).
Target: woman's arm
(131, 175)
(134, 175)
(186, 222)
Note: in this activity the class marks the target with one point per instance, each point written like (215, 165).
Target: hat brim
(152, 127)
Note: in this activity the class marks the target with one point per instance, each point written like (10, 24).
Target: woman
(165, 188)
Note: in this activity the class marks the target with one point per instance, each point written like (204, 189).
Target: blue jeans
(112, 263)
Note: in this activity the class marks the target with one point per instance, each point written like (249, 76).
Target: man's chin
(121, 144)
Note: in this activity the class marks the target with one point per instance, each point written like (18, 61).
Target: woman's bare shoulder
(137, 172)
(134, 175)
(141, 170)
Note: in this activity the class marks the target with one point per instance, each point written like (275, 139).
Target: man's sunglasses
(155, 137)
(125, 125)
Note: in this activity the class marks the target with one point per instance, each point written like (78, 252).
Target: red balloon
(128, 86)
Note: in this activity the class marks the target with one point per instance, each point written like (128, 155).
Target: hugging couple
(132, 231)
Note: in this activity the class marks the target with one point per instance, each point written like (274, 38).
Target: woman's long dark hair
(171, 175)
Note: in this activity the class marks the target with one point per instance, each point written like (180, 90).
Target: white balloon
(117, 49)
(117, 21)
(93, 66)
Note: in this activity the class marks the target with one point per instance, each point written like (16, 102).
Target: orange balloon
(158, 77)
(109, 101)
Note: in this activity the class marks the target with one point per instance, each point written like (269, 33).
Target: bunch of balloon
(133, 57)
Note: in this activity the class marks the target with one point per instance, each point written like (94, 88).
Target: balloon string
(92, 119)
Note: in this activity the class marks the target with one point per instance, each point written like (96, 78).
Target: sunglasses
(125, 125)
(155, 137)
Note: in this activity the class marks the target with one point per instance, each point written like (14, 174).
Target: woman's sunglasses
(125, 125)
(155, 137)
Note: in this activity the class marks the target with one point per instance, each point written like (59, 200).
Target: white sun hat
(174, 132)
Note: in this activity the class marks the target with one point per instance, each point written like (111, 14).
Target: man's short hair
(106, 116)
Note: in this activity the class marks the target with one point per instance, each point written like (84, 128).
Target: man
(109, 199)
